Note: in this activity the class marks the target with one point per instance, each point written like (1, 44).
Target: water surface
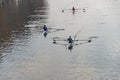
(31, 56)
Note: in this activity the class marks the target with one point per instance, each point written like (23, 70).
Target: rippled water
(27, 55)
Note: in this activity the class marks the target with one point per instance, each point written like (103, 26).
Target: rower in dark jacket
(70, 40)
(45, 28)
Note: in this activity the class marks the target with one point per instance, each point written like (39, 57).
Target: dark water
(27, 55)
(13, 16)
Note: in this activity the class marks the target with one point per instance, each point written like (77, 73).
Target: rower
(73, 8)
(45, 28)
(70, 40)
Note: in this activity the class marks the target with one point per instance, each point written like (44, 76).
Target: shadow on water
(13, 16)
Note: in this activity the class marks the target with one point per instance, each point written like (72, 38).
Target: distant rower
(73, 8)
(45, 28)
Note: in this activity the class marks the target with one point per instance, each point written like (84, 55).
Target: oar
(77, 34)
(56, 29)
(81, 40)
(60, 40)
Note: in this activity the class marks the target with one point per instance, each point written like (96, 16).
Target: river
(26, 54)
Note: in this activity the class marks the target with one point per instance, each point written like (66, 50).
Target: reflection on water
(13, 16)
(33, 57)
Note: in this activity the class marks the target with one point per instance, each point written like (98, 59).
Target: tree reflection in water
(13, 16)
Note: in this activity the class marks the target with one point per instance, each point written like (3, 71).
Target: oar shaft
(81, 40)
